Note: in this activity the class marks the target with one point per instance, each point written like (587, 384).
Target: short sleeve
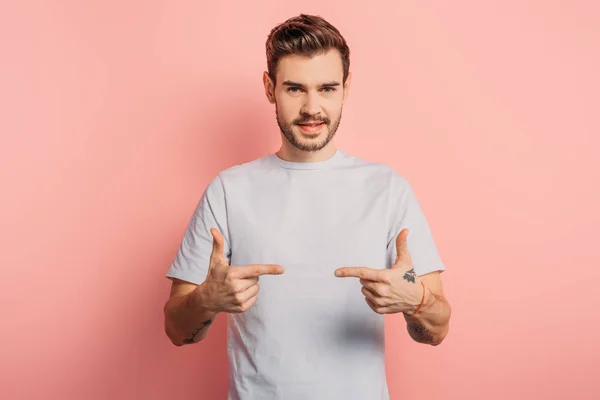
(192, 259)
(407, 213)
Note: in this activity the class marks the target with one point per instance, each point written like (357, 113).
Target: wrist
(203, 303)
(423, 299)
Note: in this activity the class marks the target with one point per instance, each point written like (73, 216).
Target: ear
(347, 86)
(269, 87)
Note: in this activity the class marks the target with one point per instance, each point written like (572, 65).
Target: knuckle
(373, 306)
(238, 299)
(231, 278)
(238, 288)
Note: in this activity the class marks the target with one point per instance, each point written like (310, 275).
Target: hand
(228, 288)
(390, 291)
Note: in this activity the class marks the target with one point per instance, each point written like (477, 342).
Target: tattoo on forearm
(419, 333)
(410, 275)
(191, 339)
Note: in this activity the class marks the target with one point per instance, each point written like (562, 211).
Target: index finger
(251, 270)
(359, 272)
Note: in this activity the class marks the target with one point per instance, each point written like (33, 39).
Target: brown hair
(306, 35)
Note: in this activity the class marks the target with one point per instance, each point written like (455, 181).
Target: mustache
(311, 119)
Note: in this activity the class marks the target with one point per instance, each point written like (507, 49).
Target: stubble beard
(288, 132)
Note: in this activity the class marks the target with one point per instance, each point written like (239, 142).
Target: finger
(371, 304)
(378, 309)
(370, 294)
(218, 250)
(253, 270)
(244, 307)
(377, 288)
(402, 246)
(245, 283)
(244, 296)
(359, 272)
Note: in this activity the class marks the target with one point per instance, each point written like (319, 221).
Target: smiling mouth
(312, 123)
(313, 128)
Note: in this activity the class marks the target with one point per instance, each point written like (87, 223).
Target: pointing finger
(359, 272)
(251, 270)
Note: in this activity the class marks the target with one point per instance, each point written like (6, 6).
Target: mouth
(311, 127)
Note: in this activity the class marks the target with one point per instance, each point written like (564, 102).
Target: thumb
(403, 256)
(218, 251)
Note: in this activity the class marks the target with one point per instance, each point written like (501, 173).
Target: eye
(329, 89)
(293, 89)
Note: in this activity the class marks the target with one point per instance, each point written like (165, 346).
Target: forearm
(186, 321)
(430, 324)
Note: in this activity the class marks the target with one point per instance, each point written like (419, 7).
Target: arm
(186, 321)
(431, 324)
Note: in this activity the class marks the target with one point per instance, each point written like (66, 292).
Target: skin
(303, 92)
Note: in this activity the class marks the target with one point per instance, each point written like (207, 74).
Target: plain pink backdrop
(114, 115)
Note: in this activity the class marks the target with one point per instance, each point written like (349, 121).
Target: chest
(311, 228)
(310, 223)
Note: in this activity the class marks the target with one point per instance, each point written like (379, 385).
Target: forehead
(313, 70)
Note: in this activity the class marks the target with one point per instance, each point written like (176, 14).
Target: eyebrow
(296, 84)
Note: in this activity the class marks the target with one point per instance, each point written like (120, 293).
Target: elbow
(179, 340)
(169, 331)
(440, 338)
(171, 335)
(437, 342)
(443, 332)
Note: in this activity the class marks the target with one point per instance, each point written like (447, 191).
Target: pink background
(115, 115)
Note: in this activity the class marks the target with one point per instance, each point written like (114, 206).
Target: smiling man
(336, 241)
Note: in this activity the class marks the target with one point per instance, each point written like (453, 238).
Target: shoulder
(243, 170)
(217, 183)
(388, 179)
(378, 170)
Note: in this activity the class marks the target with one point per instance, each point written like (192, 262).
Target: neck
(291, 153)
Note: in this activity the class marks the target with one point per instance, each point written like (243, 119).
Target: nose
(311, 105)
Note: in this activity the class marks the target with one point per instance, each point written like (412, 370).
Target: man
(337, 242)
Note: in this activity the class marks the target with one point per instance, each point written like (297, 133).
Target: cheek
(332, 110)
(287, 111)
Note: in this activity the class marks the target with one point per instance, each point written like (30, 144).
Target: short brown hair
(305, 35)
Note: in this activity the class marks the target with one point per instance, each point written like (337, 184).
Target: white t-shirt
(310, 335)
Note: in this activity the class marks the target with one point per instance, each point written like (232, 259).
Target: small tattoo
(410, 275)
(420, 334)
(191, 339)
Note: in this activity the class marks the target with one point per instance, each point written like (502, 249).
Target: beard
(309, 144)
